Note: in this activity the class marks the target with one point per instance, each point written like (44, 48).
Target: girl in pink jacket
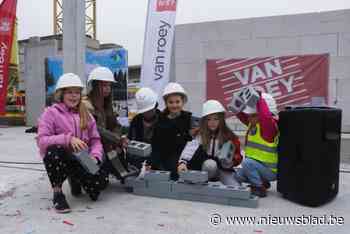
(64, 128)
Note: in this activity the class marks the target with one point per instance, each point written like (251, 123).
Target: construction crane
(90, 17)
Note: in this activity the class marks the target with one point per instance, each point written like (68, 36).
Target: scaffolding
(90, 17)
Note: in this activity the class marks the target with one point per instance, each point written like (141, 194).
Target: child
(64, 128)
(172, 130)
(259, 166)
(202, 153)
(142, 125)
(99, 104)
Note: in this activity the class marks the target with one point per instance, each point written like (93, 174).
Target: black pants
(168, 163)
(198, 159)
(60, 165)
(136, 160)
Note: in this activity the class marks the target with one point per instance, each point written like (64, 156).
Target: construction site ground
(26, 206)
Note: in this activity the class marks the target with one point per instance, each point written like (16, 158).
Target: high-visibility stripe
(262, 147)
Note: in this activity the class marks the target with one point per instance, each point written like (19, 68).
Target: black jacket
(136, 130)
(169, 139)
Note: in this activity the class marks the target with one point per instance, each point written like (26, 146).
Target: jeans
(254, 172)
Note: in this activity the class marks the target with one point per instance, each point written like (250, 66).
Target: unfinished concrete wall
(34, 71)
(314, 33)
(74, 40)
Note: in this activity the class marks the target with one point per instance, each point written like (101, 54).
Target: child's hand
(148, 168)
(182, 167)
(124, 142)
(77, 144)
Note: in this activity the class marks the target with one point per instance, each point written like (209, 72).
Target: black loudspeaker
(309, 154)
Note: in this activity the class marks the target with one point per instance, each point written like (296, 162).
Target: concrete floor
(25, 205)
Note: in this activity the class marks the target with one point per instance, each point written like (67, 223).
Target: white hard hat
(211, 107)
(270, 101)
(102, 74)
(146, 99)
(68, 80)
(173, 88)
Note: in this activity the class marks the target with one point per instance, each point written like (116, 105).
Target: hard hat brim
(249, 110)
(141, 111)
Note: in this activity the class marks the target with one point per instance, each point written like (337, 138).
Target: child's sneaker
(60, 204)
(266, 184)
(258, 191)
(94, 196)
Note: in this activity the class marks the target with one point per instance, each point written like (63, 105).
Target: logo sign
(291, 80)
(166, 5)
(5, 25)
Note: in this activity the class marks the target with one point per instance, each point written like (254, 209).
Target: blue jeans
(254, 172)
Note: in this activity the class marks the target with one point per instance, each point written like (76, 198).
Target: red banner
(291, 80)
(7, 23)
(166, 5)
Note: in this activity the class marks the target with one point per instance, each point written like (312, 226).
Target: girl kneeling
(64, 128)
(202, 153)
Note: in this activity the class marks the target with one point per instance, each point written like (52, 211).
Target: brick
(157, 176)
(252, 202)
(213, 190)
(237, 104)
(226, 154)
(204, 198)
(139, 148)
(194, 177)
(161, 189)
(134, 182)
(249, 96)
(117, 164)
(87, 162)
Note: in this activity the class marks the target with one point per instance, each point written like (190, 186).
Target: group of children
(74, 122)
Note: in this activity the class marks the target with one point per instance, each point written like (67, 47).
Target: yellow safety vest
(259, 149)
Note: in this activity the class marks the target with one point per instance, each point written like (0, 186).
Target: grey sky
(123, 21)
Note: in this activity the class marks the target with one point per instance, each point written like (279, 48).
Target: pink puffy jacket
(57, 126)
